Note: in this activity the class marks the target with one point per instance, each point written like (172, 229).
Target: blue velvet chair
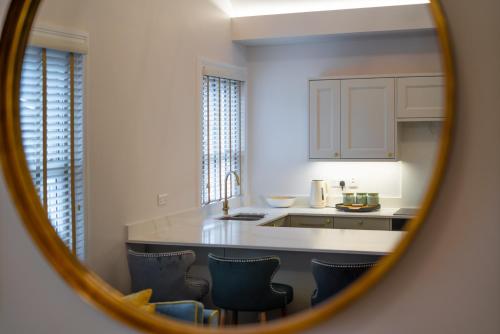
(331, 278)
(167, 274)
(189, 311)
(245, 284)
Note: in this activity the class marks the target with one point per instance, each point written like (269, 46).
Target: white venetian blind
(221, 136)
(51, 106)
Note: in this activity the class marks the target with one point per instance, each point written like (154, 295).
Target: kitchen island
(196, 229)
(295, 246)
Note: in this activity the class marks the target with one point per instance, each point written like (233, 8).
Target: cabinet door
(367, 119)
(282, 222)
(311, 222)
(420, 97)
(362, 223)
(324, 119)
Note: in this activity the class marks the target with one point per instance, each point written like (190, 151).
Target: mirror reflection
(222, 164)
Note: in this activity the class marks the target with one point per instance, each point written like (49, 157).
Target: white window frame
(218, 69)
(68, 40)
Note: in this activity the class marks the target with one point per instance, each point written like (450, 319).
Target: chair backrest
(165, 273)
(331, 278)
(244, 284)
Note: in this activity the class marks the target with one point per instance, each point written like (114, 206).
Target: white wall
(418, 144)
(142, 113)
(278, 112)
(446, 283)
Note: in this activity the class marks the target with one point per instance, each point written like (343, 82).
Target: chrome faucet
(225, 206)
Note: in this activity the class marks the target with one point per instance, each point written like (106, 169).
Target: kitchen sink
(243, 217)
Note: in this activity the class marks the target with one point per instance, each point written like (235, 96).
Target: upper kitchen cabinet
(352, 119)
(324, 119)
(420, 98)
(367, 119)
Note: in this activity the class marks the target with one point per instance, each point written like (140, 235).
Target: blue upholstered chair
(167, 274)
(189, 311)
(333, 277)
(245, 284)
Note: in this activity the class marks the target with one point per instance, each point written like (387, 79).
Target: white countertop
(194, 229)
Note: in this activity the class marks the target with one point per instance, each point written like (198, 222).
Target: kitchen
(282, 161)
(279, 154)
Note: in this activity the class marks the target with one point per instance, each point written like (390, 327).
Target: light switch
(162, 199)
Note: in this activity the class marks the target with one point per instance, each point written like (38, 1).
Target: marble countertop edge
(193, 228)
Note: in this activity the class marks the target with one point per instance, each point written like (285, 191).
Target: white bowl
(280, 201)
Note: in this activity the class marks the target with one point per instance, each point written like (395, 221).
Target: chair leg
(222, 317)
(234, 317)
(283, 312)
(262, 317)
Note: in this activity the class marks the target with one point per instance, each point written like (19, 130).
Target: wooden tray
(348, 208)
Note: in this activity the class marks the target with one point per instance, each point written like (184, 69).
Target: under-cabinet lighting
(243, 8)
(384, 177)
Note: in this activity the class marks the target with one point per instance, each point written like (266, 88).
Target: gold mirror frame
(93, 289)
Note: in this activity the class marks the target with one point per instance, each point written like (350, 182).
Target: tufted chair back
(167, 274)
(333, 277)
(244, 284)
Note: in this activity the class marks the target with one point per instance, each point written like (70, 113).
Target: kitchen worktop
(194, 228)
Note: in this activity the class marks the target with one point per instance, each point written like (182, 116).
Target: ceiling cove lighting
(243, 8)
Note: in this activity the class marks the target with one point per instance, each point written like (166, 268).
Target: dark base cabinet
(380, 224)
(311, 221)
(399, 224)
(329, 222)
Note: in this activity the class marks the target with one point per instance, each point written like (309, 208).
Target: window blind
(221, 136)
(51, 111)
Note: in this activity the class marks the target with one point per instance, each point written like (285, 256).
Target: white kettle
(319, 194)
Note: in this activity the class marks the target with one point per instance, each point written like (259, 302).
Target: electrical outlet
(162, 199)
(353, 184)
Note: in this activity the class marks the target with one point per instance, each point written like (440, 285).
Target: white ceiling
(239, 8)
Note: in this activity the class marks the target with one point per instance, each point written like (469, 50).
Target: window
(51, 108)
(221, 136)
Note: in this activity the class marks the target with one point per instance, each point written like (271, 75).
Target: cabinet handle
(336, 154)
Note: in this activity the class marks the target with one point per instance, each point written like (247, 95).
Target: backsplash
(381, 177)
(303, 202)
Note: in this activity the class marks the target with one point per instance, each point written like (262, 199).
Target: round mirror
(201, 165)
